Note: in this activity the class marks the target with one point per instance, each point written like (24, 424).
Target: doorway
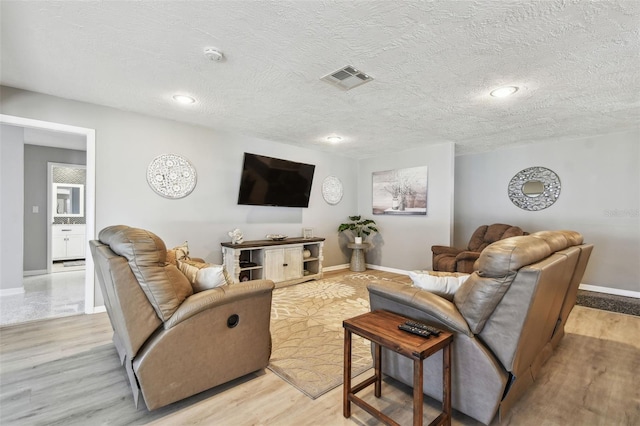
(67, 247)
(88, 136)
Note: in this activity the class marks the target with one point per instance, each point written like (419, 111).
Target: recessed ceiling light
(504, 91)
(213, 54)
(334, 139)
(184, 99)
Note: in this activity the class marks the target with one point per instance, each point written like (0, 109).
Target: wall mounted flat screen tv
(268, 181)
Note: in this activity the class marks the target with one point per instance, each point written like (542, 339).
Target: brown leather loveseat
(451, 259)
(506, 318)
(173, 342)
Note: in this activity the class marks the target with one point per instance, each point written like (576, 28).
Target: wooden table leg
(378, 364)
(446, 383)
(346, 387)
(417, 392)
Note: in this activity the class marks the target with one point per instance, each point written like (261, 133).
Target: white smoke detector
(213, 54)
(347, 77)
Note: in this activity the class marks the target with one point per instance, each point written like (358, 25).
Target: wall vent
(347, 77)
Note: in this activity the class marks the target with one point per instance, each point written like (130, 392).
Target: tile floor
(45, 296)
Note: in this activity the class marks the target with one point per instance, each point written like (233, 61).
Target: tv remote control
(430, 329)
(414, 330)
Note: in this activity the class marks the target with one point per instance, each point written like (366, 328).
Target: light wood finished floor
(66, 372)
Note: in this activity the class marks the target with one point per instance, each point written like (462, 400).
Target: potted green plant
(359, 227)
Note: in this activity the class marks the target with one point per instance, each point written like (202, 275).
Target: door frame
(90, 188)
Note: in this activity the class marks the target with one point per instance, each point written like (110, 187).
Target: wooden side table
(381, 328)
(358, 263)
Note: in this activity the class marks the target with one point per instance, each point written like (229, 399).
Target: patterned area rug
(308, 339)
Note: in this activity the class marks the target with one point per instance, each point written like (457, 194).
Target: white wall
(11, 206)
(125, 145)
(600, 198)
(405, 242)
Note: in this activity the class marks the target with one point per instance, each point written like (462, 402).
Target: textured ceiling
(576, 62)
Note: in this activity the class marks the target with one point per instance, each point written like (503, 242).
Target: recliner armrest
(208, 299)
(431, 304)
(468, 255)
(445, 250)
(465, 261)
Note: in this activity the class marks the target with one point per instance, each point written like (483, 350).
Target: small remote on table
(414, 330)
(422, 326)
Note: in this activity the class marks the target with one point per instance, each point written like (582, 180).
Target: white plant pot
(358, 240)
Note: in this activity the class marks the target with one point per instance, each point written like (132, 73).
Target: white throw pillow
(203, 276)
(444, 284)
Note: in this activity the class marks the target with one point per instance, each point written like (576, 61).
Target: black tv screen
(270, 181)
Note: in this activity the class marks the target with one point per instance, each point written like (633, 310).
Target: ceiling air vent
(347, 78)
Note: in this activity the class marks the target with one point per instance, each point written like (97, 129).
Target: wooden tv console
(285, 262)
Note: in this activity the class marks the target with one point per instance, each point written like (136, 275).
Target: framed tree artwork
(400, 192)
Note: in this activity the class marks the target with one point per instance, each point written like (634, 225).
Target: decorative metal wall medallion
(535, 188)
(332, 190)
(171, 176)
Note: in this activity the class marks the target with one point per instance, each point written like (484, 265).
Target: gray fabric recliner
(172, 342)
(507, 318)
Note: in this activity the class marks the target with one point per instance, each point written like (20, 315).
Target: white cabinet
(283, 264)
(68, 242)
(287, 262)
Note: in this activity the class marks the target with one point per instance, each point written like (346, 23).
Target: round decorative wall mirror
(535, 188)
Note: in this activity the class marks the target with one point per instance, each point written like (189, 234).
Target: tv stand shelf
(283, 262)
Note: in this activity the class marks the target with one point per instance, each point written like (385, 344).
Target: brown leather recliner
(451, 259)
(173, 342)
(507, 319)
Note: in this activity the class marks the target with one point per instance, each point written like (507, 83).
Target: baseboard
(36, 272)
(335, 267)
(384, 268)
(11, 291)
(98, 310)
(609, 290)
